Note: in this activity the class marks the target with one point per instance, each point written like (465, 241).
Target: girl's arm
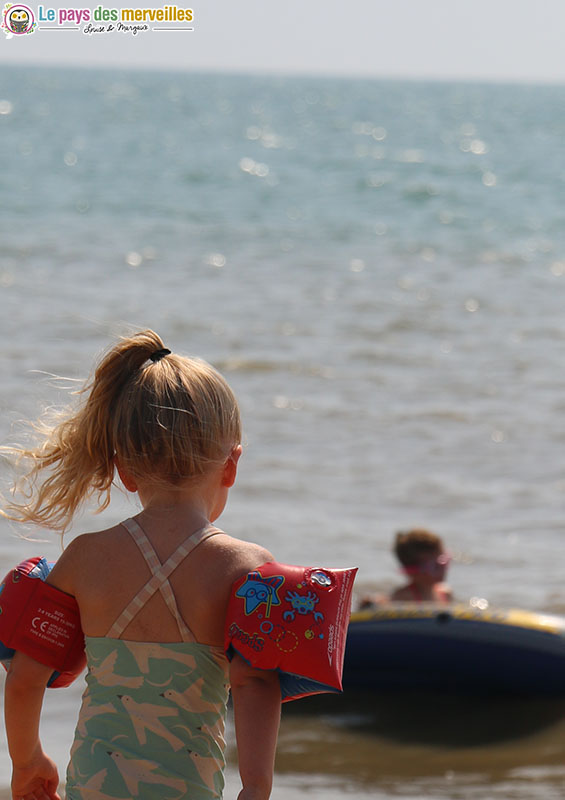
(257, 707)
(34, 775)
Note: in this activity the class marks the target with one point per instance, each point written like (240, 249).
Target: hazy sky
(471, 39)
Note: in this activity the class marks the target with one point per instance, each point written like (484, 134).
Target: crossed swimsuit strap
(159, 580)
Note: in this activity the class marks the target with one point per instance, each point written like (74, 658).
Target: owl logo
(18, 19)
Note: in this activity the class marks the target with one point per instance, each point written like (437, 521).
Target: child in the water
(424, 560)
(152, 591)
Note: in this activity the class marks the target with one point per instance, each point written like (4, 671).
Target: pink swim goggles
(430, 566)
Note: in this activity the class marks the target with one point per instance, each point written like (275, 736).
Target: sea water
(378, 268)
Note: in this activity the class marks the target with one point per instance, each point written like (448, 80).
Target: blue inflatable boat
(455, 648)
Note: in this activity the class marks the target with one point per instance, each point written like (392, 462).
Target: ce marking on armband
(35, 624)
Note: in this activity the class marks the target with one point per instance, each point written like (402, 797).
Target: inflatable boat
(455, 648)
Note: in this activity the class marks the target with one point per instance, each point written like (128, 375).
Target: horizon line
(260, 72)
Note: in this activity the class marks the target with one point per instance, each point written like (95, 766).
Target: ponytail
(163, 416)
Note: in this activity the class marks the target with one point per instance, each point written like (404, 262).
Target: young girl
(151, 724)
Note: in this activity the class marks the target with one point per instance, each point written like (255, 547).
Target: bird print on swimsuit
(151, 723)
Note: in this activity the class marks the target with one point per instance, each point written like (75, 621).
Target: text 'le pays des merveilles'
(101, 14)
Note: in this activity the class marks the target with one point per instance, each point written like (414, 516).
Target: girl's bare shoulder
(234, 557)
(214, 567)
(83, 555)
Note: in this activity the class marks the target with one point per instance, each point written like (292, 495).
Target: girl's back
(152, 715)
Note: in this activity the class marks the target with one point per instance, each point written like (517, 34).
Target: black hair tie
(159, 354)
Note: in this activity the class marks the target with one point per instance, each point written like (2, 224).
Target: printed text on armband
(250, 639)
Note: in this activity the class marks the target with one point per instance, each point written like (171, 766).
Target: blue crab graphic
(257, 590)
(303, 604)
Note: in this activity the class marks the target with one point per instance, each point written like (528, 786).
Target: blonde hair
(170, 419)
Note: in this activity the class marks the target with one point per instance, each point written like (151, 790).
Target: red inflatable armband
(292, 619)
(41, 621)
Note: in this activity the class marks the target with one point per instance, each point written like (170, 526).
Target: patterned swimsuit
(151, 724)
